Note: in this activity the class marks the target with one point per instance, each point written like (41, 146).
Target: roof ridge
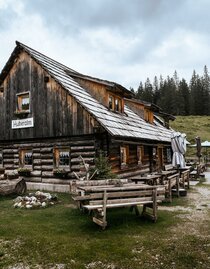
(29, 50)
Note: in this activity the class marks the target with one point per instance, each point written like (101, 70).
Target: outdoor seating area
(96, 196)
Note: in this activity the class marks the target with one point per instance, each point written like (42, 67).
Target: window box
(60, 173)
(24, 172)
(21, 114)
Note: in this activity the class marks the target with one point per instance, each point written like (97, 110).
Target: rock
(18, 199)
(35, 200)
(44, 204)
(19, 204)
(29, 206)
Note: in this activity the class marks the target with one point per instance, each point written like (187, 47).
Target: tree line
(177, 97)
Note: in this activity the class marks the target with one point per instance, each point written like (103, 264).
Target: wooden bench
(185, 178)
(197, 172)
(170, 182)
(168, 167)
(99, 198)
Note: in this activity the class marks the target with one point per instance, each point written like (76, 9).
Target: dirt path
(197, 213)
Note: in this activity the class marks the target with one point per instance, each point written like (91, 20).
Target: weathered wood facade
(48, 111)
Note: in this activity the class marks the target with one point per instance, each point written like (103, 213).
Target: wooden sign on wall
(23, 123)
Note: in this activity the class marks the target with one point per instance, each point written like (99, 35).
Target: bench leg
(136, 210)
(177, 186)
(104, 210)
(153, 207)
(169, 191)
(135, 207)
(100, 216)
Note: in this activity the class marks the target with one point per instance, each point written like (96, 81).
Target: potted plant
(60, 173)
(24, 171)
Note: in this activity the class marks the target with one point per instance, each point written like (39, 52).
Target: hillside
(193, 126)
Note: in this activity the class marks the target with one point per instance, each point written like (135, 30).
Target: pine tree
(140, 91)
(148, 92)
(156, 91)
(184, 94)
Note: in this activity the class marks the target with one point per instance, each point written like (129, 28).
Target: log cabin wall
(43, 156)
(141, 158)
(54, 111)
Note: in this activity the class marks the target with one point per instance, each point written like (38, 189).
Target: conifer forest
(177, 96)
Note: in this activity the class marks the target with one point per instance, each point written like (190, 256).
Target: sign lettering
(23, 123)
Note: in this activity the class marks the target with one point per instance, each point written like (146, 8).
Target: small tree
(102, 167)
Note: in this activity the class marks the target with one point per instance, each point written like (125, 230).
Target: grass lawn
(193, 126)
(63, 237)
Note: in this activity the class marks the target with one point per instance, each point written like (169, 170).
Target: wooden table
(99, 198)
(164, 174)
(153, 179)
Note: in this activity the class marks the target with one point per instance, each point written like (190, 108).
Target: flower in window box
(60, 173)
(24, 172)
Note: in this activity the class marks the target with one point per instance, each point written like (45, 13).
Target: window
(26, 158)
(124, 155)
(23, 102)
(1, 158)
(62, 158)
(139, 154)
(111, 102)
(115, 103)
(168, 154)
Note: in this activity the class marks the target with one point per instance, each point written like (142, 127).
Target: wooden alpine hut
(50, 115)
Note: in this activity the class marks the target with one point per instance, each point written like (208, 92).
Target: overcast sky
(124, 41)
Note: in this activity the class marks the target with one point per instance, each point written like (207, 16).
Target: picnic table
(153, 179)
(99, 198)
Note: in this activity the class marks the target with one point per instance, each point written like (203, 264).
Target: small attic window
(23, 102)
(115, 103)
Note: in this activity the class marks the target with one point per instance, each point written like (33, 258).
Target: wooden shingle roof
(127, 125)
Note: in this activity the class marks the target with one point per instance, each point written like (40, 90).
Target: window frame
(56, 158)
(20, 97)
(112, 105)
(22, 155)
(140, 154)
(124, 155)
